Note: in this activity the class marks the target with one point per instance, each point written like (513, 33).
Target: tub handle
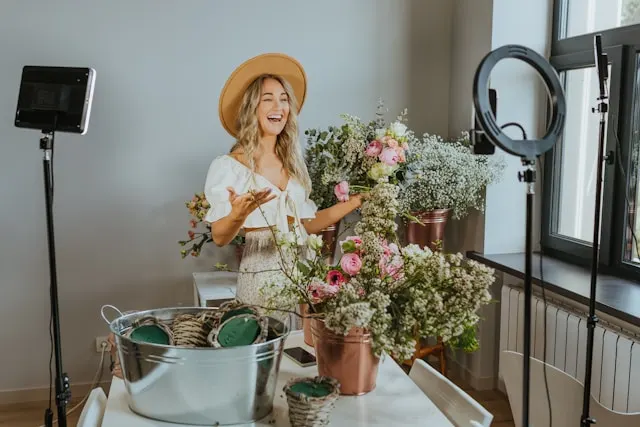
(112, 307)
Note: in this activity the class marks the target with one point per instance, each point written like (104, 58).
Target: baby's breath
(447, 175)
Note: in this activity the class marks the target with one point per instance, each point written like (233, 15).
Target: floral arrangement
(397, 294)
(443, 174)
(198, 207)
(347, 153)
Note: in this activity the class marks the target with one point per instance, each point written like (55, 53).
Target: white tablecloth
(396, 401)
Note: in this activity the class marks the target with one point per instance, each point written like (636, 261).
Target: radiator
(616, 351)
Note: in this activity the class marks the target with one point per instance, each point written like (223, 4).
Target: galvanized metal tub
(198, 386)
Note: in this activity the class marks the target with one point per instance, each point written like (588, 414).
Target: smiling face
(273, 108)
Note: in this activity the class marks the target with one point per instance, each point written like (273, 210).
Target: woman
(263, 182)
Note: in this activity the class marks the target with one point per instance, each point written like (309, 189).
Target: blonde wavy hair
(287, 147)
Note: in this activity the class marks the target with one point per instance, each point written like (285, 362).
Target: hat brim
(236, 85)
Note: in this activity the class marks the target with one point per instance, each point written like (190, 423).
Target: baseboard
(8, 397)
(477, 383)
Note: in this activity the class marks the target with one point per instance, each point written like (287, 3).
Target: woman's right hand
(242, 205)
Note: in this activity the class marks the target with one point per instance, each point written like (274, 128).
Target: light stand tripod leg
(62, 381)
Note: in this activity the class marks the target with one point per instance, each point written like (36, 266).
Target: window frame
(622, 45)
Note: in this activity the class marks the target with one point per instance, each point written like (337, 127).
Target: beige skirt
(261, 272)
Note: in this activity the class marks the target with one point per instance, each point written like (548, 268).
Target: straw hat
(268, 63)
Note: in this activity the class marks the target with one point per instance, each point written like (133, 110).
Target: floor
(32, 414)
(494, 401)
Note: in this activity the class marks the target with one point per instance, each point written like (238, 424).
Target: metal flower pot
(203, 385)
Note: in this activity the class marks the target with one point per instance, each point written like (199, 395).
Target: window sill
(616, 297)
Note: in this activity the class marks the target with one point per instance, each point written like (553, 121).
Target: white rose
(398, 129)
(314, 242)
(380, 133)
(287, 239)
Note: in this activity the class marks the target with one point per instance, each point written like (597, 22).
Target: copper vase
(431, 230)
(330, 239)
(349, 359)
(306, 325)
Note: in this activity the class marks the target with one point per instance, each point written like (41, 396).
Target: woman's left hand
(356, 199)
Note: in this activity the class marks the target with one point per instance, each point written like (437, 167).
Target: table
(212, 288)
(396, 401)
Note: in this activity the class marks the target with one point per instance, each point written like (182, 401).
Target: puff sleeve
(219, 177)
(308, 208)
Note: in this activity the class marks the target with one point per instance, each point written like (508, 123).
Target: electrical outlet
(99, 344)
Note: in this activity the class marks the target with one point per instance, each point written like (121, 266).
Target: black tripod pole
(62, 380)
(593, 319)
(601, 63)
(529, 177)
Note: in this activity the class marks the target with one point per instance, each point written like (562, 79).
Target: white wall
(480, 27)
(120, 189)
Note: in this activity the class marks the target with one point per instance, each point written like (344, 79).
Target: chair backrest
(455, 404)
(565, 392)
(93, 411)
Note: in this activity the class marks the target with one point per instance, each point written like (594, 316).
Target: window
(589, 16)
(570, 167)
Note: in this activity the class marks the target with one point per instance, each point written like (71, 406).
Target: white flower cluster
(446, 291)
(447, 175)
(349, 310)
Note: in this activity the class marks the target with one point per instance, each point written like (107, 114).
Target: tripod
(528, 151)
(62, 391)
(602, 109)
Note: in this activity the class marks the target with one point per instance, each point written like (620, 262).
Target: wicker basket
(311, 400)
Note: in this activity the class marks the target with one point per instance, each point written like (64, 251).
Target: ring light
(528, 149)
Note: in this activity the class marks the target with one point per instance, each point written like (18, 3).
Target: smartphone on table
(301, 356)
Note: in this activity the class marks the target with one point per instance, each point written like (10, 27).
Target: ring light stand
(528, 151)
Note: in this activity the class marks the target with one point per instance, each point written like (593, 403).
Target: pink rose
(335, 278)
(191, 234)
(341, 190)
(374, 148)
(193, 223)
(351, 264)
(392, 143)
(351, 244)
(405, 146)
(389, 157)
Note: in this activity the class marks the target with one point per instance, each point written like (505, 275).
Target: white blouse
(225, 171)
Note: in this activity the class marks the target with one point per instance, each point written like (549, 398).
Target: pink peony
(401, 156)
(320, 291)
(374, 148)
(394, 268)
(389, 157)
(341, 190)
(351, 264)
(335, 278)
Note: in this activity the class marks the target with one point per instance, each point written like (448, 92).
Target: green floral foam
(236, 312)
(239, 331)
(150, 333)
(312, 389)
